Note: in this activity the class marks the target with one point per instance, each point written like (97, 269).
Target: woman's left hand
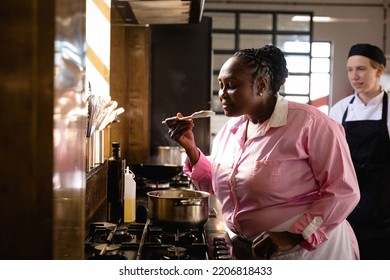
(269, 243)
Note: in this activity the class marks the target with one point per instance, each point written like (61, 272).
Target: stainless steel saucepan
(178, 208)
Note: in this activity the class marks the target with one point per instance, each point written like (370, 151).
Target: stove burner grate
(158, 244)
(107, 257)
(120, 235)
(176, 253)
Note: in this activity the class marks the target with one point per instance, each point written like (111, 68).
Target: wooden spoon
(196, 115)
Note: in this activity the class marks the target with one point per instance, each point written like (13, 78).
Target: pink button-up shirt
(297, 166)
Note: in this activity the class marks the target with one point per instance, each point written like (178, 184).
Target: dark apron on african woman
(369, 144)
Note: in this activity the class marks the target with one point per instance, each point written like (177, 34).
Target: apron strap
(384, 108)
(346, 111)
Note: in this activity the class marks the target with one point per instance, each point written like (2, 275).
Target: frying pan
(156, 171)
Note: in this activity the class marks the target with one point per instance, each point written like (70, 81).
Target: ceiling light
(327, 19)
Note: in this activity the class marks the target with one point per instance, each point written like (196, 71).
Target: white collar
(374, 101)
(277, 119)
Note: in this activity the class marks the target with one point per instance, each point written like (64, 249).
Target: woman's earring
(261, 94)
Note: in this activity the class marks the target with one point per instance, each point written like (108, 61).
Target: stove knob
(219, 241)
(221, 247)
(223, 257)
(221, 250)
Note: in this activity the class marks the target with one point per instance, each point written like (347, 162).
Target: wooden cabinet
(96, 195)
(130, 85)
(26, 122)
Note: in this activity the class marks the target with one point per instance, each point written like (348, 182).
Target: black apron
(369, 144)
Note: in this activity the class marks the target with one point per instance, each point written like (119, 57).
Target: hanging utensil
(101, 104)
(92, 101)
(111, 118)
(110, 107)
(97, 105)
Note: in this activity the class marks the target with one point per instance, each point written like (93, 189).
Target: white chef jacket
(358, 111)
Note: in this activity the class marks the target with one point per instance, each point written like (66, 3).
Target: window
(320, 75)
(308, 62)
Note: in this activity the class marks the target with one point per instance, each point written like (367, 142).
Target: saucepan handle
(190, 202)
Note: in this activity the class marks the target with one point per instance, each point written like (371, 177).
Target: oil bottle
(115, 185)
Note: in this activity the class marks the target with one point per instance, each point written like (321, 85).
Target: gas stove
(145, 241)
(142, 240)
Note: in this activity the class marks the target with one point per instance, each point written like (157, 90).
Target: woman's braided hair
(268, 61)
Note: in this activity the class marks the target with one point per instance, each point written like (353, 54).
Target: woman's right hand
(181, 132)
(269, 243)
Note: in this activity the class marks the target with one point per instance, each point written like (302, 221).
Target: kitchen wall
(358, 21)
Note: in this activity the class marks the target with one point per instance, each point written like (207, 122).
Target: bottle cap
(128, 171)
